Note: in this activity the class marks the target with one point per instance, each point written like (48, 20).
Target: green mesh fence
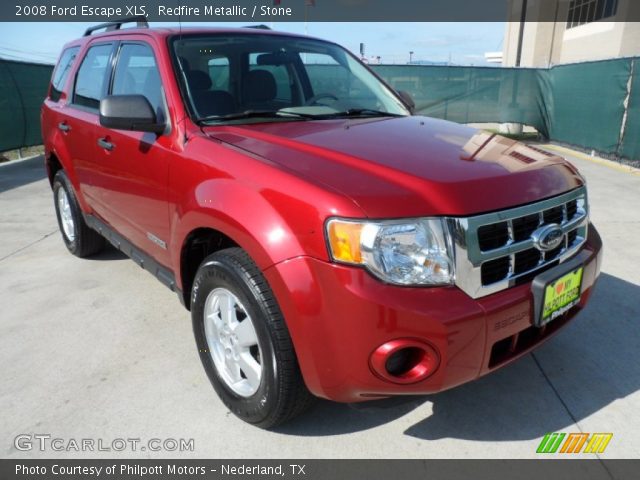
(630, 147)
(470, 94)
(580, 104)
(585, 103)
(23, 86)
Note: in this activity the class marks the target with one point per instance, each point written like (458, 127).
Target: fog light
(404, 361)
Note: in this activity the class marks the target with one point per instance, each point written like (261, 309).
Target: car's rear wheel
(79, 239)
(243, 341)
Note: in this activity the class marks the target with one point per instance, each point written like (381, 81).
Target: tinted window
(91, 77)
(280, 74)
(219, 73)
(275, 74)
(587, 11)
(328, 76)
(137, 73)
(62, 71)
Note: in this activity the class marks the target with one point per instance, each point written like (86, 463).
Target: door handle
(64, 126)
(104, 143)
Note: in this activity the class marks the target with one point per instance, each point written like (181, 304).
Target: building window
(587, 11)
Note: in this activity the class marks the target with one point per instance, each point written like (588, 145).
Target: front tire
(243, 341)
(79, 239)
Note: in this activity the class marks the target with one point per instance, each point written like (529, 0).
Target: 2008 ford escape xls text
(327, 242)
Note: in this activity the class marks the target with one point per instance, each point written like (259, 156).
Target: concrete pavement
(100, 349)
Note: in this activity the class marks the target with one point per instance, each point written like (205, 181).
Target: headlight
(411, 252)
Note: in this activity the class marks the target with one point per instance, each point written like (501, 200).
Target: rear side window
(137, 73)
(90, 81)
(62, 71)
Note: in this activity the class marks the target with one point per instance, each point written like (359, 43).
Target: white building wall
(551, 43)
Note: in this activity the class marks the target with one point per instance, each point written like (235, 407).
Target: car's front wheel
(243, 341)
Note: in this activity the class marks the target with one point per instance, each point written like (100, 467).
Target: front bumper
(338, 316)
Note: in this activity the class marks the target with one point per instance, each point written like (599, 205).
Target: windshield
(249, 78)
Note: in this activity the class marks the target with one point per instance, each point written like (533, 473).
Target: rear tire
(272, 391)
(79, 239)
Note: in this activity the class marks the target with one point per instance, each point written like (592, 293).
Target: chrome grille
(496, 251)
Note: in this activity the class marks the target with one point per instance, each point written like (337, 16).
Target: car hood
(408, 166)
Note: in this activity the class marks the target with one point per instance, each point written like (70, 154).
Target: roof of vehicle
(163, 32)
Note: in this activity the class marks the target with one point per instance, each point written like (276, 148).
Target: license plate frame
(548, 306)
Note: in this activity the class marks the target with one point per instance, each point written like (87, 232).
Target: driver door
(133, 179)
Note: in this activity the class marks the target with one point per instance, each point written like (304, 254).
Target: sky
(459, 43)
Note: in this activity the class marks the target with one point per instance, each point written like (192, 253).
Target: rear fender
(56, 146)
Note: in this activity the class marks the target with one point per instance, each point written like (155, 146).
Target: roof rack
(140, 20)
(258, 27)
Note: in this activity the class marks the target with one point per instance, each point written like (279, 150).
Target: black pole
(523, 17)
(516, 77)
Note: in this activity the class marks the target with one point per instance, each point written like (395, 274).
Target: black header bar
(592, 469)
(264, 11)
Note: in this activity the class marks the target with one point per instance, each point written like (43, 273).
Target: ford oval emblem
(548, 237)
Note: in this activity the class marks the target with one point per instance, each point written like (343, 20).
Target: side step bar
(148, 263)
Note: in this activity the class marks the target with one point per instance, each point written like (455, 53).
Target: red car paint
(270, 187)
(372, 313)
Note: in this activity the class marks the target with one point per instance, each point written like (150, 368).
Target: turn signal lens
(344, 241)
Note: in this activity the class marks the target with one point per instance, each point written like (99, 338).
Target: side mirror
(129, 112)
(408, 101)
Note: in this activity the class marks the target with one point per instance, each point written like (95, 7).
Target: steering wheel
(315, 98)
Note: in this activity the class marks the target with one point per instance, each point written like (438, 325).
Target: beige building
(583, 30)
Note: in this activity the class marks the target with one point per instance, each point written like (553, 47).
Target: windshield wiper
(253, 114)
(352, 112)
(365, 112)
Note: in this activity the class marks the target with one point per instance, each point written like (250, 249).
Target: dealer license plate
(560, 295)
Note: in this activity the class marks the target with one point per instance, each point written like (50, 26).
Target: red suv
(326, 241)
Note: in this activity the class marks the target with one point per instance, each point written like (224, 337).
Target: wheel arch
(53, 166)
(268, 219)
(57, 157)
(198, 245)
(261, 231)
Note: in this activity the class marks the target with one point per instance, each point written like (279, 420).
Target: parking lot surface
(99, 349)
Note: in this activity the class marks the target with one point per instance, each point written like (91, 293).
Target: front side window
(62, 71)
(137, 73)
(91, 78)
(250, 78)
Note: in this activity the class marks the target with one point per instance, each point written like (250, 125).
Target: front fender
(270, 225)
